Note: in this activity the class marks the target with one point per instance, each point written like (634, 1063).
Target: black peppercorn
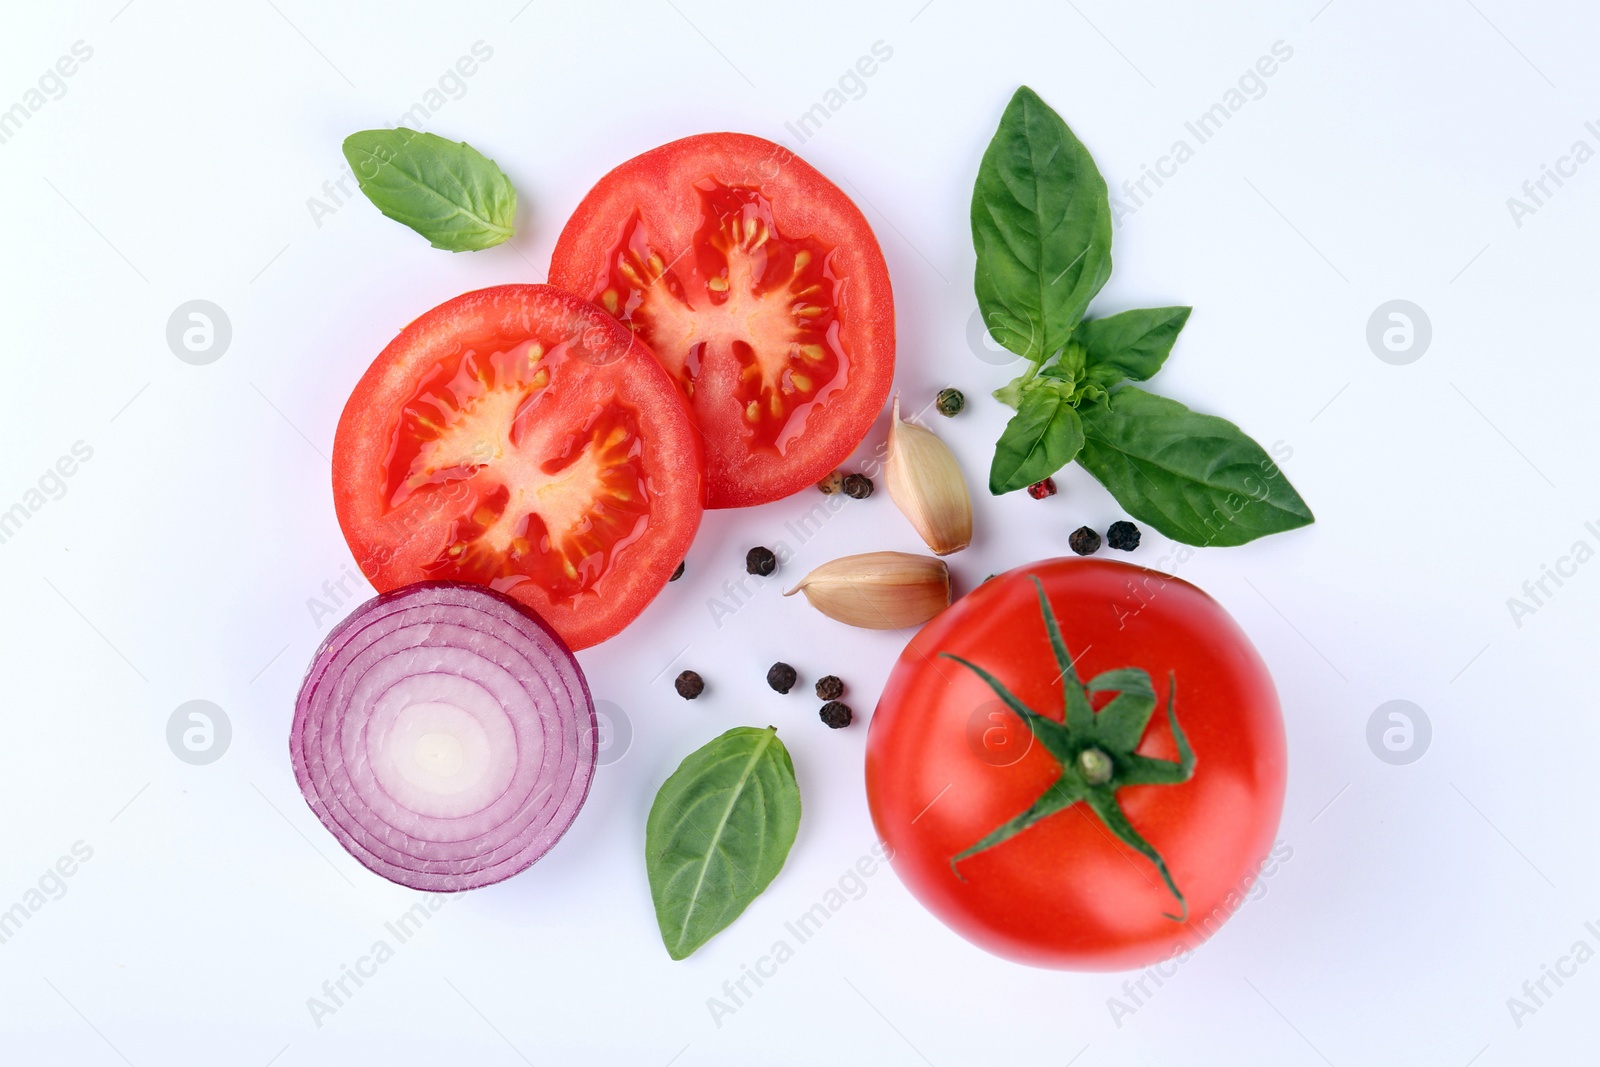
(760, 561)
(950, 402)
(835, 714)
(829, 687)
(857, 486)
(689, 685)
(781, 677)
(1123, 535)
(1084, 541)
(677, 573)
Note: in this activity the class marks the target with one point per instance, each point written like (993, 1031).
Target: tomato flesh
(947, 764)
(759, 288)
(551, 503)
(765, 307)
(517, 439)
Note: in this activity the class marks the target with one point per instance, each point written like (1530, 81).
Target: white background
(179, 563)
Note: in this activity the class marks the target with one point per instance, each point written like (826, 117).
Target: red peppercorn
(1040, 490)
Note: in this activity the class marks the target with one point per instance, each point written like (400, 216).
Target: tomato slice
(519, 438)
(762, 290)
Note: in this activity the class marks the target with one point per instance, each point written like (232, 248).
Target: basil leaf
(1195, 478)
(1133, 344)
(1041, 224)
(447, 191)
(1070, 365)
(718, 833)
(1041, 438)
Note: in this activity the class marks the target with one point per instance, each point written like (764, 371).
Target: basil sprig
(1041, 224)
(448, 191)
(718, 833)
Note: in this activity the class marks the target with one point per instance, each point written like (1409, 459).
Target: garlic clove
(878, 590)
(925, 483)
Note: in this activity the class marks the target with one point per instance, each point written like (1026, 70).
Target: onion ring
(445, 735)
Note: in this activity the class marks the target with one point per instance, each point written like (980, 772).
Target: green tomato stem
(1095, 750)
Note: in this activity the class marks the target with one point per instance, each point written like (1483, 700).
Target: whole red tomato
(1056, 817)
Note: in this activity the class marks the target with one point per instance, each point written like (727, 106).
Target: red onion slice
(445, 735)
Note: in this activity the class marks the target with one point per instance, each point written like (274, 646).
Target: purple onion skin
(489, 641)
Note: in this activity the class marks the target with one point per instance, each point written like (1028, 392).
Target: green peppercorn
(950, 402)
